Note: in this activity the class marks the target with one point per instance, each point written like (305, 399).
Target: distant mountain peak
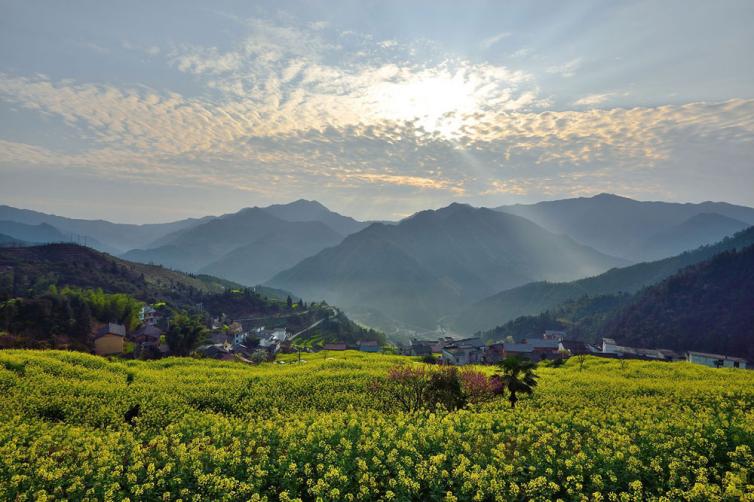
(610, 196)
(435, 260)
(457, 205)
(312, 210)
(620, 226)
(306, 202)
(299, 204)
(452, 208)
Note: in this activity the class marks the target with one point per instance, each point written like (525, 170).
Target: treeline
(63, 318)
(340, 328)
(583, 319)
(28, 272)
(707, 307)
(242, 302)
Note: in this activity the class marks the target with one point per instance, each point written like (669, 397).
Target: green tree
(517, 375)
(185, 334)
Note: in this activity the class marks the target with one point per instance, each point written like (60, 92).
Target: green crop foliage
(77, 427)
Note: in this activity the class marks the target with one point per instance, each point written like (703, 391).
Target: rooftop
(716, 356)
(111, 329)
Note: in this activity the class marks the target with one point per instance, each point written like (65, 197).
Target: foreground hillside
(34, 268)
(79, 427)
(38, 283)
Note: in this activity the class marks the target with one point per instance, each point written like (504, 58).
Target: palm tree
(517, 375)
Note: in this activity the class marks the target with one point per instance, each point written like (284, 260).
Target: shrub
(415, 387)
(429, 359)
(478, 387)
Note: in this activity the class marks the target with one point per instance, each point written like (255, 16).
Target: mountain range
(435, 261)
(537, 297)
(459, 267)
(99, 234)
(700, 307)
(43, 232)
(249, 246)
(636, 230)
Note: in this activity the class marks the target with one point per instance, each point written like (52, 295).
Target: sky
(158, 110)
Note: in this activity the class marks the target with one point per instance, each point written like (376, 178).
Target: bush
(429, 359)
(415, 387)
(478, 387)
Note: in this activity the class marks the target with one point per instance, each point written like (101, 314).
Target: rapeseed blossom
(210, 430)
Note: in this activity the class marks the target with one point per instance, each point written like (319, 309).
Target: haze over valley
(454, 270)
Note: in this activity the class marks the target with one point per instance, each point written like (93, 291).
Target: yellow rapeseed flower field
(78, 427)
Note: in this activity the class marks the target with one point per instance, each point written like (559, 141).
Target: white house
(715, 360)
(550, 334)
(149, 316)
(466, 351)
(609, 346)
(458, 356)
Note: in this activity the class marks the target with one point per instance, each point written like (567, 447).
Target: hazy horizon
(145, 112)
(89, 216)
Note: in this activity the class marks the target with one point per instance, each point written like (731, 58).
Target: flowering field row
(78, 427)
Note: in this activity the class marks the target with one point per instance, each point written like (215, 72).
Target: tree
(185, 334)
(415, 387)
(517, 375)
(83, 316)
(289, 302)
(581, 359)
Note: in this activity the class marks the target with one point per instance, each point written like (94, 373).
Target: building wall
(711, 362)
(108, 344)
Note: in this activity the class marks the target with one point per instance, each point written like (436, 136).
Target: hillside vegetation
(583, 319)
(538, 297)
(707, 307)
(704, 307)
(29, 310)
(75, 426)
(35, 268)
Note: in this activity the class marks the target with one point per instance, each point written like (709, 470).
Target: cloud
(522, 52)
(594, 99)
(487, 43)
(567, 69)
(411, 181)
(287, 111)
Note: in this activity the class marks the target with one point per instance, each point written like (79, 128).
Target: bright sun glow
(438, 103)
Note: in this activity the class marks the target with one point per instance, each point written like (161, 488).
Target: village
(244, 341)
(553, 345)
